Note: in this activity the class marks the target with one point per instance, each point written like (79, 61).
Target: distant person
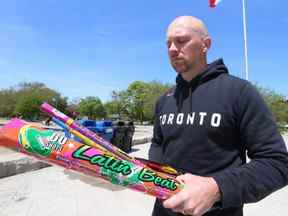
(204, 127)
(47, 122)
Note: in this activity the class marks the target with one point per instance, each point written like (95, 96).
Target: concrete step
(13, 163)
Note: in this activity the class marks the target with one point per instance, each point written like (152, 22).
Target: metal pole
(245, 40)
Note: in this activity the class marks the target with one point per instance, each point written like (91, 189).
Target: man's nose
(173, 51)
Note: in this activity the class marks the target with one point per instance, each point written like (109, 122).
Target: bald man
(204, 127)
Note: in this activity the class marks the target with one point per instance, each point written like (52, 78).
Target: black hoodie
(206, 127)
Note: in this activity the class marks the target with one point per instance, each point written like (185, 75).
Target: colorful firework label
(56, 148)
(41, 142)
(110, 164)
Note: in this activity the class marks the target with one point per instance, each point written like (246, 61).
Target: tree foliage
(27, 107)
(7, 102)
(156, 89)
(277, 104)
(92, 107)
(25, 99)
(137, 102)
(118, 106)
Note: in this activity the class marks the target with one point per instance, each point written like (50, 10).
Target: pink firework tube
(154, 165)
(53, 112)
(90, 138)
(54, 147)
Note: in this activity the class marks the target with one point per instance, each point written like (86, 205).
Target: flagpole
(245, 40)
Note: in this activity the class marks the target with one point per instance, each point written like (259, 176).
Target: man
(205, 126)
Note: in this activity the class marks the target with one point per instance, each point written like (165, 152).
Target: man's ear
(206, 44)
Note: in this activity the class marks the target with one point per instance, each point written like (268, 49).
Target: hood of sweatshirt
(184, 88)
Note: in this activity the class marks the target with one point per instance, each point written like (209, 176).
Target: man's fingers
(175, 201)
(181, 178)
(187, 177)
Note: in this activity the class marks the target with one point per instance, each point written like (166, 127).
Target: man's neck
(191, 74)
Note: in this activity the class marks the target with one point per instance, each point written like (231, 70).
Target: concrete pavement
(274, 205)
(59, 192)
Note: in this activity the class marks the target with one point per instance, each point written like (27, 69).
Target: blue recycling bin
(101, 128)
(105, 129)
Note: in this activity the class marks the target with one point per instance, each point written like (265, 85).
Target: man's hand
(196, 198)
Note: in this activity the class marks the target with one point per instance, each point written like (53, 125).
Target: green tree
(113, 109)
(277, 104)
(7, 102)
(137, 102)
(156, 89)
(25, 100)
(92, 107)
(137, 93)
(27, 107)
(49, 95)
(119, 105)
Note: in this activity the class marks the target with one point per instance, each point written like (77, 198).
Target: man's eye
(181, 41)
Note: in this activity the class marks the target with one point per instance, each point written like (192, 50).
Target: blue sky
(89, 48)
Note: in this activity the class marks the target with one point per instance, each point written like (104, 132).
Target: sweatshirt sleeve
(267, 170)
(155, 151)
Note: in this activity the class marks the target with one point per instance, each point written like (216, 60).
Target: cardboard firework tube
(90, 138)
(84, 139)
(156, 166)
(54, 147)
(54, 113)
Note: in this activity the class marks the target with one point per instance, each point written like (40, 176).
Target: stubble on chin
(180, 68)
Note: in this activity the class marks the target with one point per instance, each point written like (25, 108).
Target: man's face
(185, 48)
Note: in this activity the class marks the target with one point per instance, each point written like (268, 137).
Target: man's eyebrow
(178, 36)
(168, 40)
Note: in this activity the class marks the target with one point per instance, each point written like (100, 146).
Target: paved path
(274, 205)
(55, 191)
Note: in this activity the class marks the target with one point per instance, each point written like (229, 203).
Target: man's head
(188, 43)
